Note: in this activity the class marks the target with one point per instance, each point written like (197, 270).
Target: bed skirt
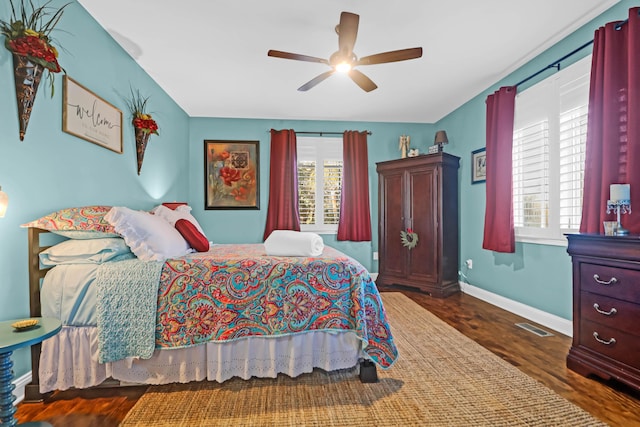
(70, 359)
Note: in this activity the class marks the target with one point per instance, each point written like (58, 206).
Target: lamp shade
(618, 192)
(441, 138)
(4, 202)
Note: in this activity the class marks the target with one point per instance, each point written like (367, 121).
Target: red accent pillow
(173, 205)
(192, 235)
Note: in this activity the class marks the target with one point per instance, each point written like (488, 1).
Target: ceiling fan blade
(296, 56)
(347, 31)
(392, 56)
(311, 83)
(363, 81)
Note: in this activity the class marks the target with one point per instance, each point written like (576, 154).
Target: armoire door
(393, 260)
(422, 207)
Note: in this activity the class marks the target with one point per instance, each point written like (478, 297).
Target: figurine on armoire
(405, 140)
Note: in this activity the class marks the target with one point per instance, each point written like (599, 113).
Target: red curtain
(613, 131)
(282, 213)
(355, 217)
(498, 219)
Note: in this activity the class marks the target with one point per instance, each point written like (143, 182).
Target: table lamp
(438, 142)
(619, 202)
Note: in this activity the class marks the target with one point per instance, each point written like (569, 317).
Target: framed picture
(87, 116)
(231, 175)
(479, 165)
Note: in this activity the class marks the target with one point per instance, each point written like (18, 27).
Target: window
(549, 139)
(319, 183)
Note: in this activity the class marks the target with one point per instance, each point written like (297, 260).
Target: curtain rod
(556, 64)
(320, 132)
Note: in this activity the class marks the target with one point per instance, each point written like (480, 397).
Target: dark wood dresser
(606, 307)
(419, 193)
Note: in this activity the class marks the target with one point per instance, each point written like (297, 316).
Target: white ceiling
(210, 56)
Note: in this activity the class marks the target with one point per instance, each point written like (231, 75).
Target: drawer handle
(602, 282)
(606, 313)
(601, 341)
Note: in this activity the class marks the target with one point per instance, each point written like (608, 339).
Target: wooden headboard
(36, 272)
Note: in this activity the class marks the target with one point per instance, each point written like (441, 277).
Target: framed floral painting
(232, 174)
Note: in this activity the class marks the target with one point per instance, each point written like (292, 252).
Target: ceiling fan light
(343, 67)
(344, 60)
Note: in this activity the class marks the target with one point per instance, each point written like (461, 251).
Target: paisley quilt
(236, 291)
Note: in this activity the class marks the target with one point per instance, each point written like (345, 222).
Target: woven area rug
(442, 378)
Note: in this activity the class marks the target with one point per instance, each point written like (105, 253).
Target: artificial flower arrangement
(409, 238)
(28, 34)
(143, 124)
(140, 119)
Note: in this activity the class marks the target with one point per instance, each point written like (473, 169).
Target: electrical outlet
(375, 256)
(469, 263)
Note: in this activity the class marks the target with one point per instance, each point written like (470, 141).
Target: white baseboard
(20, 384)
(543, 318)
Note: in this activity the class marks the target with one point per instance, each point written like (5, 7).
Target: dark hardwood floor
(542, 358)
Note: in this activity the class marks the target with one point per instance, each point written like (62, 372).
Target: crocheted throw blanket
(127, 298)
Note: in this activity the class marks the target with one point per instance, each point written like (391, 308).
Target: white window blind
(573, 137)
(548, 155)
(531, 176)
(319, 183)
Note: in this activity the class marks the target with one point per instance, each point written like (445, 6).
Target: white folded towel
(293, 243)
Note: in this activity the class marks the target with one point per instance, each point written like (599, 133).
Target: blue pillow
(93, 251)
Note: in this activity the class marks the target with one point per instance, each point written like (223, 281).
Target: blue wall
(536, 275)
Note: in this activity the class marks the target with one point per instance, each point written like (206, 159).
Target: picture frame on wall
(231, 174)
(479, 165)
(88, 116)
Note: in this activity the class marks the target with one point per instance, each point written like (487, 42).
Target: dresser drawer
(622, 346)
(613, 313)
(616, 282)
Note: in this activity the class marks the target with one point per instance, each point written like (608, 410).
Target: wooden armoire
(419, 193)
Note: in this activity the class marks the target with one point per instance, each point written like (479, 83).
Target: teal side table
(11, 340)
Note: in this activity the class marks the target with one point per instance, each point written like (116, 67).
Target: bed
(229, 311)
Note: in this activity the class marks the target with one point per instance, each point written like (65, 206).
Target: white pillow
(95, 251)
(173, 215)
(150, 237)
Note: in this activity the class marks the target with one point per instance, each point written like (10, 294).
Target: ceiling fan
(344, 60)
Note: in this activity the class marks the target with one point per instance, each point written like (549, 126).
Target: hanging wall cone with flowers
(143, 124)
(28, 37)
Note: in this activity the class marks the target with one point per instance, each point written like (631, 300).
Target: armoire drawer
(610, 342)
(611, 312)
(615, 282)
